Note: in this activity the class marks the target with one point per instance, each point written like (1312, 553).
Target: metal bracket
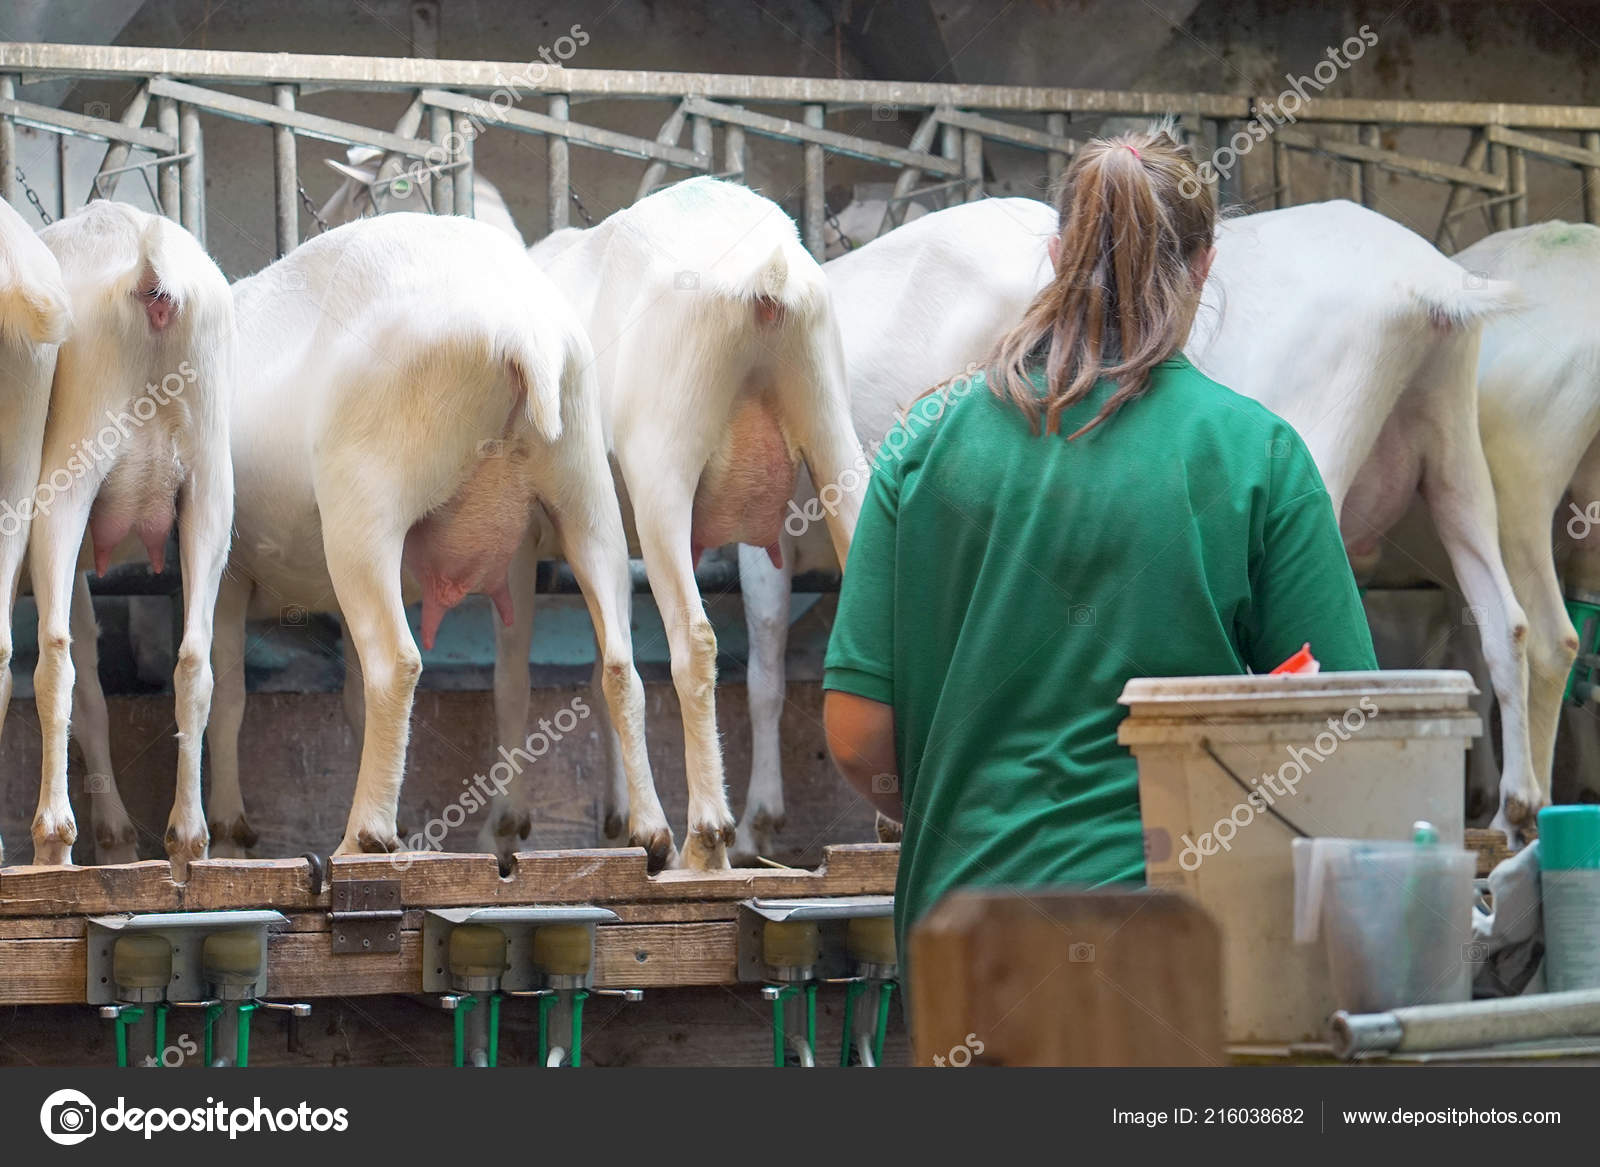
(186, 932)
(365, 916)
(518, 923)
(832, 913)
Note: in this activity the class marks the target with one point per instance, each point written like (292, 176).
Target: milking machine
(480, 957)
(140, 968)
(791, 947)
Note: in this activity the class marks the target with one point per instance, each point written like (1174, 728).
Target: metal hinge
(366, 915)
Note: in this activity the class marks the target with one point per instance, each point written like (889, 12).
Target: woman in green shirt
(1092, 510)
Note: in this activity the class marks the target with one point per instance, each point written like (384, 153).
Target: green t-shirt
(1003, 587)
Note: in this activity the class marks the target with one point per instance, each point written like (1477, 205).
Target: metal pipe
(816, 188)
(733, 151)
(168, 182)
(700, 140)
(1467, 1025)
(8, 143)
(559, 155)
(1591, 181)
(191, 180)
(1282, 187)
(116, 159)
(1517, 179)
(1055, 161)
(61, 176)
(285, 175)
(439, 122)
(972, 163)
(463, 175)
(1367, 172)
(1499, 163)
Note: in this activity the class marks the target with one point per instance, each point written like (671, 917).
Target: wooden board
(676, 929)
(1064, 978)
(433, 880)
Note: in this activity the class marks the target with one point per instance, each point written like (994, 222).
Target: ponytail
(1135, 217)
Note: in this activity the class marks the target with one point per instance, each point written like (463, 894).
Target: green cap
(1569, 837)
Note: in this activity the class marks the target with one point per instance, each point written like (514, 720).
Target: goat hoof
(658, 847)
(115, 844)
(706, 850)
(613, 825)
(888, 830)
(53, 839)
(372, 843)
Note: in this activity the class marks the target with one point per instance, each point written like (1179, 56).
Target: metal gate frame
(459, 100)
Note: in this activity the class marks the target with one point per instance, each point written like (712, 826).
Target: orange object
(1300, 662)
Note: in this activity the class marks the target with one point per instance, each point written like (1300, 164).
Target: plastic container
(1569, 886)
(1395, 920)
(1344, 755)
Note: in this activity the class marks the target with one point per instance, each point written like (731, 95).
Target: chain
(311, 209)
(33, 197)
(588, 219)
(833, 221)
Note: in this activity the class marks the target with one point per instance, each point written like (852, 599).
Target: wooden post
(191, 177)
(443, 184)
(1066, 978)
(168, 183)
(559, 152)
(285, 176)
(816, 190)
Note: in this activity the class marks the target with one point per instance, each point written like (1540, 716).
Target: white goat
(137, 438)
(1539, 414)
(416, 387)
(34, 320)
(362, 193)
(719, 369)
(1350, 326)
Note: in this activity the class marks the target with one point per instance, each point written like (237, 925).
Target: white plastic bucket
(1349, 755)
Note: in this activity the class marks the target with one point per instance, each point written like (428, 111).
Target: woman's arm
(861, 739)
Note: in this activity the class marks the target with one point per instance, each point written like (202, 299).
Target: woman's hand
(861, 740)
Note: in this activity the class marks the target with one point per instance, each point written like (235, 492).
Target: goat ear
(366, 175)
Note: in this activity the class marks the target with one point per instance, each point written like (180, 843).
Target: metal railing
(455, 102)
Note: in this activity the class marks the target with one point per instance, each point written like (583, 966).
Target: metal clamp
(365, 916)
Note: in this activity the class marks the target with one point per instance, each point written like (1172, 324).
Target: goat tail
(537, 375)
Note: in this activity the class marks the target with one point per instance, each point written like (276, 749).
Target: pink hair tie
(1132, 151)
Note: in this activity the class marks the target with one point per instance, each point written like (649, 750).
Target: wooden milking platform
(676, 929)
